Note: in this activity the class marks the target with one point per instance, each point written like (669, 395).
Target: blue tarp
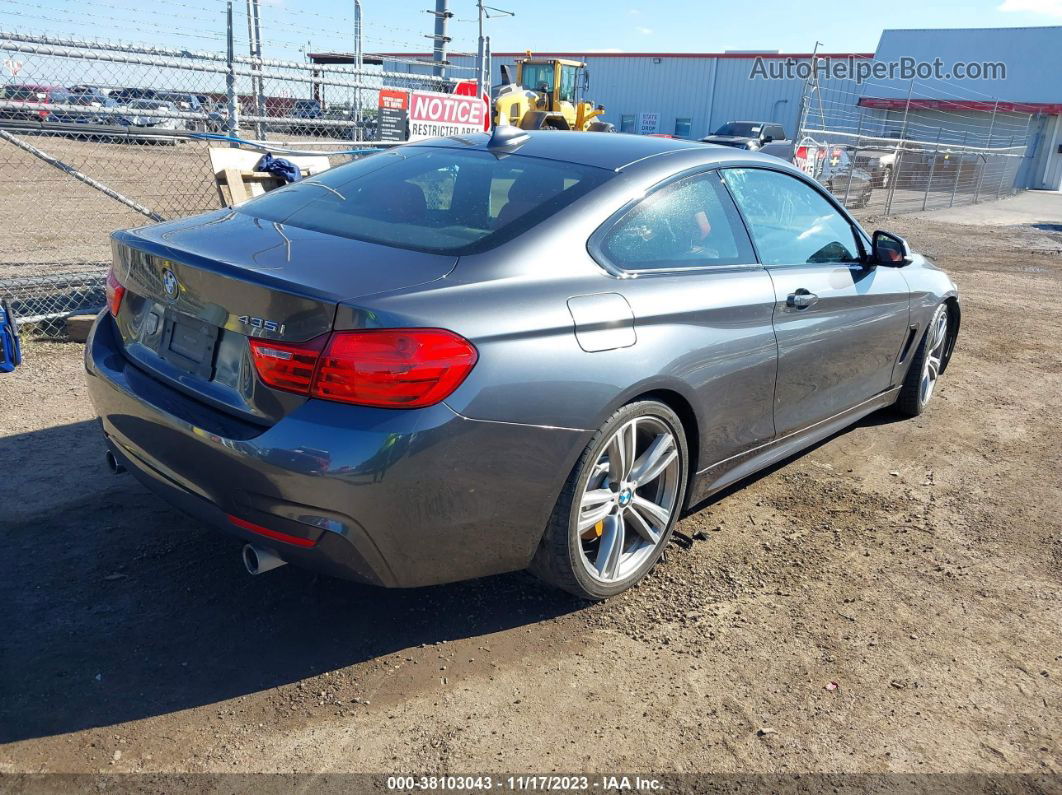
(279, 167)
(10, 350)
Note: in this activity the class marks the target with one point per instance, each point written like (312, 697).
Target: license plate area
(189, 344)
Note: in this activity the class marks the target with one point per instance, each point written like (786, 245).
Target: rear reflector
(115, 293)
(276, 535)
(390, 368)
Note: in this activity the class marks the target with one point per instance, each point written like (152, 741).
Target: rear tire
(919, 385)
(631, 479)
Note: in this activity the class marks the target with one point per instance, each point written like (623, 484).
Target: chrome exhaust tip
(258, 561)
(113, 464)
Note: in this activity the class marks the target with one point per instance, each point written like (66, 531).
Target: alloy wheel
(629, 499)
(938, 336)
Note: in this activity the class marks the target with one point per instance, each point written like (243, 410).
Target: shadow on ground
(117, 607)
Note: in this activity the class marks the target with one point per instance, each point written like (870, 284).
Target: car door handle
(801, 299)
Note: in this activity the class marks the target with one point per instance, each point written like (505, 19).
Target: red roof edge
(585, 54)
(882, 103)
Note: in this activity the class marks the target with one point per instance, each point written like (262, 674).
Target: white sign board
(432, 114)
(648, 123)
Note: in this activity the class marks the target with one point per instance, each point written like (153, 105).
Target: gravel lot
(915, 564)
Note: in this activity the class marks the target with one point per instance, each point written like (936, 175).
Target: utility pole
(232, 126)
(359, 62)
(259, 94)
(483, 47)
(255, 51)
(481, 52)
(442, 16)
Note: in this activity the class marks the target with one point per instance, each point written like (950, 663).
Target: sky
(292, 27)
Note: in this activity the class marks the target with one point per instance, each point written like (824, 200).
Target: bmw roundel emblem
(169, 284)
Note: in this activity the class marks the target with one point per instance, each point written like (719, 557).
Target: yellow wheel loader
(547, 95)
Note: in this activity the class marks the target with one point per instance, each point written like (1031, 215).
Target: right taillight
(391, 368)
(115, 293)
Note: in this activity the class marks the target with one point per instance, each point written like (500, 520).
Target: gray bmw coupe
(475, 355)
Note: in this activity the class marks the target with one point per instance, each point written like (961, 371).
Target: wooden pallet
(237, 181)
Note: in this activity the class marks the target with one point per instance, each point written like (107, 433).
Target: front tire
(924, 372)
(619, 506)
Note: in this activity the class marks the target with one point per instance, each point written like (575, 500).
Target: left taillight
(287, 366)
(389, 368)
(115, 293)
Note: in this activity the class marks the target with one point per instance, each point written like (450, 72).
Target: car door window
(790, 222)
(686, 224)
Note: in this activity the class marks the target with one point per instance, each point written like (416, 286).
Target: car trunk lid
(199, 287)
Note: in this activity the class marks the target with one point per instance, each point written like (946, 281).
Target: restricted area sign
(413, 115)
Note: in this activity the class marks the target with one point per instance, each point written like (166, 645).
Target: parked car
(91, 105)
(136, 119)
(17, 95)
(880, 159)
(755, 136)
(307, 111)
(542, 366)
(186, 103)
(217, 116)
(850, 184)
(124, 96)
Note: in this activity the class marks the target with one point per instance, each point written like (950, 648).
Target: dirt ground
(889, 601)
(56, 224)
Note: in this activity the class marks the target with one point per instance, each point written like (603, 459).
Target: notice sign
(393, 114)
(648, 123)
(433, 115)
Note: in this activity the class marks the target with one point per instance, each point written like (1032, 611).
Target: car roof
(614, 151)
(603, 150)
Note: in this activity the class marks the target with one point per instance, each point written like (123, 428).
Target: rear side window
(686, 224)
(790, 222)
(446, 201)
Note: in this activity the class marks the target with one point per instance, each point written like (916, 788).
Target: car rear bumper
(396, 498)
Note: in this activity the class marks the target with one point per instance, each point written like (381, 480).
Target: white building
(691, 94)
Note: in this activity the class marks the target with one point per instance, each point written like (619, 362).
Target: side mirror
(890, 249)
(766, 139)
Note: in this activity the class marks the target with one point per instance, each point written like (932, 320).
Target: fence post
(852, 160)
(1003, 171)
(988, 145)
(958, 170)
(932, 169)
(233, 123)
(900, 152)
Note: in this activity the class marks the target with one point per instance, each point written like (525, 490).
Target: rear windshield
(742, 129)
(444, 201)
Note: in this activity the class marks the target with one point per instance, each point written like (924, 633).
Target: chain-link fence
(911, 146)
(97, 136)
